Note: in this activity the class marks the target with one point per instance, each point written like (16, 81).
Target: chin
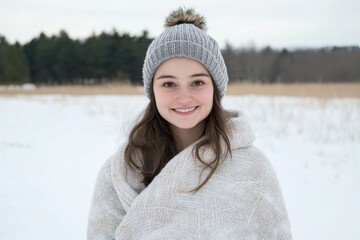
(184, 125)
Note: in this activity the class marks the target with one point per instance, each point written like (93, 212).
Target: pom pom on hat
(185, 36)
(181, 16)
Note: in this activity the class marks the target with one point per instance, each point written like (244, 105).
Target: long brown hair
(151, 144)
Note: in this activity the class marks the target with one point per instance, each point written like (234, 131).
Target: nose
(184, 96)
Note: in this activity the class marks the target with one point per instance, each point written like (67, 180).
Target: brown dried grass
(317, 90)
(326, 90)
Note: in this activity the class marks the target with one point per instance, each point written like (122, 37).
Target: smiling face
(183, 91)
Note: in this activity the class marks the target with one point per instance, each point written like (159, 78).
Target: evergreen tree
(14, 68)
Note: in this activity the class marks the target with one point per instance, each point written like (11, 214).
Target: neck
(185, 137)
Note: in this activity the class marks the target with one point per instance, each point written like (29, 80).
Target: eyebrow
(165, 76)
(192, 76)
(200, 75)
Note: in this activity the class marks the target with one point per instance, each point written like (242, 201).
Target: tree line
(327, 64)
(114, 57)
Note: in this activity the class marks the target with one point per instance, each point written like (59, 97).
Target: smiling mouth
(184, 110)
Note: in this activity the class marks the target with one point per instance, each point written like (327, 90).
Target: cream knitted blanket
(242, 200)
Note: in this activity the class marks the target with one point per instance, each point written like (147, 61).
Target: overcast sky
(277, 23)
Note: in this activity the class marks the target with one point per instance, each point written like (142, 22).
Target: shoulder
(104, 174)
(248, 164)
(116, 172)
(116, 178)
(122, 173)
(239, 130)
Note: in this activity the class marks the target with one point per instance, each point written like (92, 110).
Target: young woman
(189, 169)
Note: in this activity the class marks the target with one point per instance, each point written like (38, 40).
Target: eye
(198, 83)
(168, 84)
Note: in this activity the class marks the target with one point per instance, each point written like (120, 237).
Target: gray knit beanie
(185, 36)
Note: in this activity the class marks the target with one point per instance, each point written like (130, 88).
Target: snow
(25, 86)
(51, 148)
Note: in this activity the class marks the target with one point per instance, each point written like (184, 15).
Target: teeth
(185, 110)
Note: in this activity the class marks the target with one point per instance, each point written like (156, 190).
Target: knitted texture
(185, 40)
(242, 200)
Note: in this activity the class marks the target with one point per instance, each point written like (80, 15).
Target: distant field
(317, 90)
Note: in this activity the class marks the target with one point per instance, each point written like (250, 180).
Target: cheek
(162, 100)
(208, 100)
(207, 97)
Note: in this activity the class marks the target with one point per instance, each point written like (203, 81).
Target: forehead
(180, 65)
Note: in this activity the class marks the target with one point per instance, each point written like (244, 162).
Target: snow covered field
(51, 148)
